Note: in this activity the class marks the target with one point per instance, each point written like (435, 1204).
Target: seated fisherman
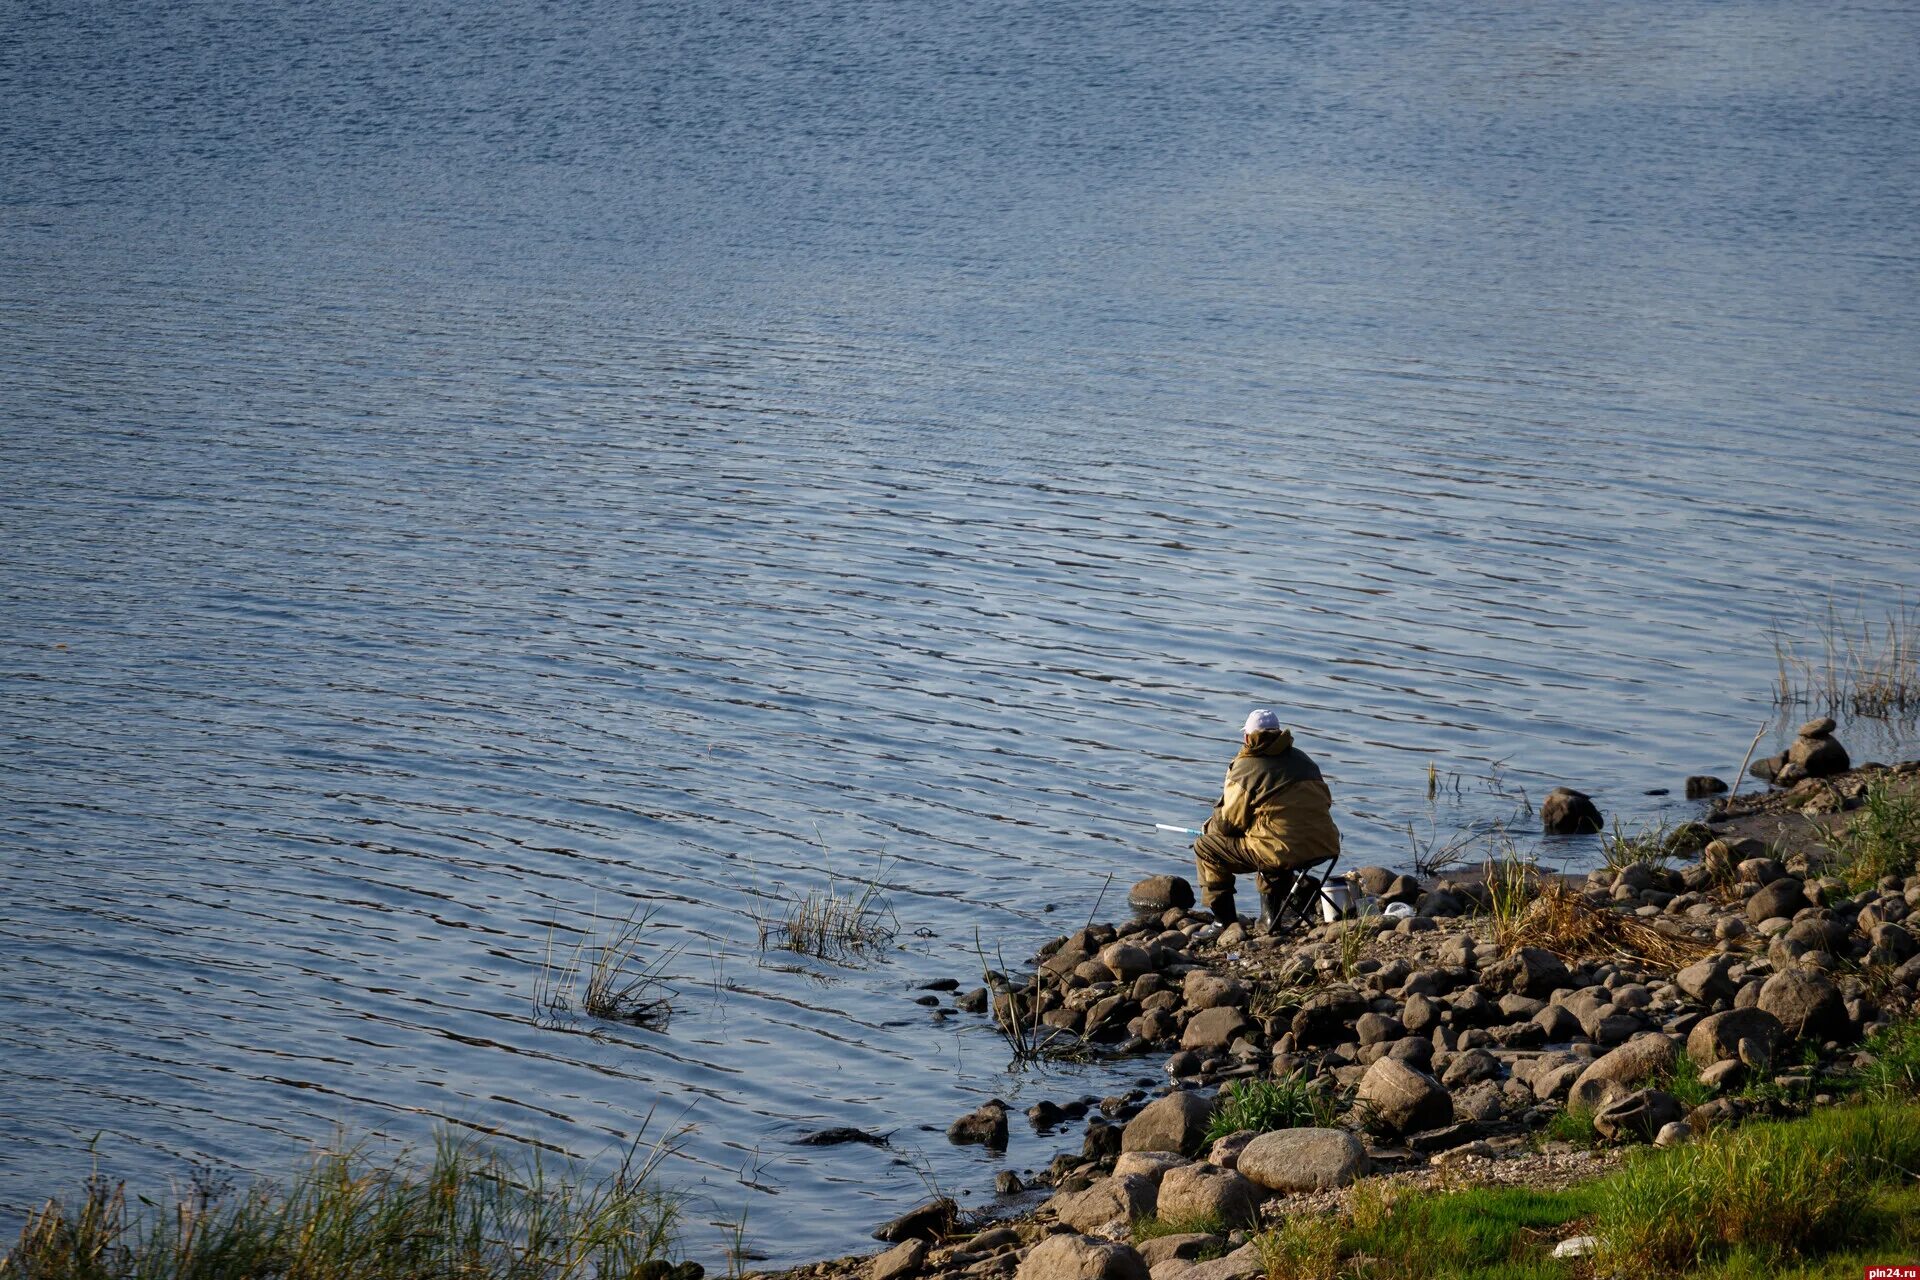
(1274, 814)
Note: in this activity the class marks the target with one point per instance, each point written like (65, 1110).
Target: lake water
(472, 469)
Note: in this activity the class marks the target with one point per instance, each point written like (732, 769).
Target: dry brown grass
(1561, 922)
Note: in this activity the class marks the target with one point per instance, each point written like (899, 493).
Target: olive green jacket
(1277, 804)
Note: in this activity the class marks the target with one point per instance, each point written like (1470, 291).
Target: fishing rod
(1184, 831)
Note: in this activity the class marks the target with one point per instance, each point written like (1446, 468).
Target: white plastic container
(1334, 901)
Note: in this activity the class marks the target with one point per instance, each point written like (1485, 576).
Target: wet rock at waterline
(1569, 812)
(1159, 893)
(986, 1126)
(928, 1221)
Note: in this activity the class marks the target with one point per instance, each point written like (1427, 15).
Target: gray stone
(1806, 1002)
(1151, 1165)
(1123, 1198)
(1214, 1029)
(1327, 1018)
(1158, 893)
(1225, 1152)
(1378, 1028)
(1126, 961)
(1558, 1022)
(1304, 1159)
(986, 1125)
(1717, 1037)
(927, 1221)
(1204, 990)
(1207, 1190)
(1177, 1122)
(1071, 1257)
(1184, 1247)
(1673, 1134)
(1420, 1015)
(1403, 1100)
(1819, 756)
(1373, 881)
(1637, 1060)
(1554, 1085)
(1781, 897)
(1708, 980)
(1471, 1066)
(1638, 1116)
(1569, 812)
(903, 1259)
(1529, 971)
(1244, 1263)
(1703, 784)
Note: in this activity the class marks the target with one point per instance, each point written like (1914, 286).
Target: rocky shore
(1503, 1027)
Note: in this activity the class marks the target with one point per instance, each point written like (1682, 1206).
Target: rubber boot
(1220, 902)
(1274, 889)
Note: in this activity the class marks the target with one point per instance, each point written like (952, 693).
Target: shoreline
(1530, 1039)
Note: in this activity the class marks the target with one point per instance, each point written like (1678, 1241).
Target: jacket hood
(1268, 742)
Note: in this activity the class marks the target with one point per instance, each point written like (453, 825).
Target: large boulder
(1177, 1122)
(1110, 1199)
(1208, 1191)
(1403, 1100)
(1304, 1159)
(1806, 1002)
(1720, 1037)
(1078, 1258)
(1780, 897)
(1569, 812)
(1157, 893)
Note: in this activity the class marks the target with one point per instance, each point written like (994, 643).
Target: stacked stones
(1815, 753)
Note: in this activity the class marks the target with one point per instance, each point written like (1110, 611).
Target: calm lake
(467, 472)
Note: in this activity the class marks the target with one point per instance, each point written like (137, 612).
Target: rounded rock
(1304, 1159)
(1075, 1257)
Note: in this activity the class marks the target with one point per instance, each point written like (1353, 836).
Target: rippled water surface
(469, 471)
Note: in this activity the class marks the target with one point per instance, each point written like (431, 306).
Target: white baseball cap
(1259, 721)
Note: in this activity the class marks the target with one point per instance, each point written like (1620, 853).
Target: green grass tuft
(469, 1215)
(1290, 1102)
(1764, 1193)
(1882, 837)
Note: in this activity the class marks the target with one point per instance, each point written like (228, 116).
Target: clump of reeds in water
(838, 922)
(1859, 665)
(469, 1215)
(607, 975)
